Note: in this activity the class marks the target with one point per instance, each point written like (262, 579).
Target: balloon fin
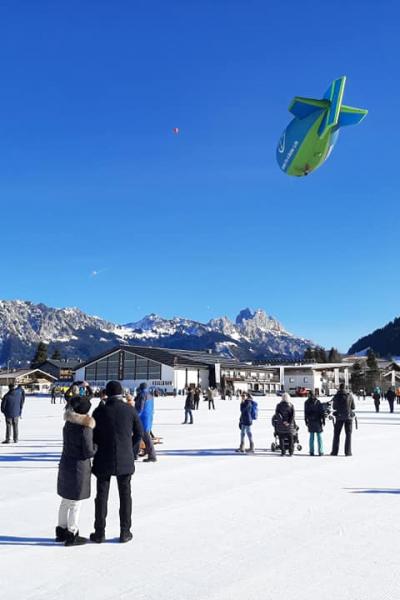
(335, 96)
(302, 107)
(351, 116)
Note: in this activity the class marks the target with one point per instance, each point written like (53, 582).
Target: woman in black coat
(74, 471)
(314, 417)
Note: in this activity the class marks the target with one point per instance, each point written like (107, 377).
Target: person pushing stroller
(285, 424)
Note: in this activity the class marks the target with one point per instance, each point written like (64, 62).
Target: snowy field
(210, 524)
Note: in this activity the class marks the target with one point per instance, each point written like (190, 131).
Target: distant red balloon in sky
(176, 130)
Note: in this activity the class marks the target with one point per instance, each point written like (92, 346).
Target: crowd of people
(120, 429)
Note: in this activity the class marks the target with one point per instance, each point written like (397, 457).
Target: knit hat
(113, 388)
(80, 405)
(143, 386)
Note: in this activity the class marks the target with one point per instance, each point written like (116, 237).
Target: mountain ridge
(254, 335)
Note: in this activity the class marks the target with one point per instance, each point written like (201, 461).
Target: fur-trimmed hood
(84, 420)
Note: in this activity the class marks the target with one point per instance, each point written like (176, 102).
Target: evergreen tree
(40, 355)
(334, 356)
(56, 354)
(309, 354)
(372, 373)
(320, 355)
(357, 378)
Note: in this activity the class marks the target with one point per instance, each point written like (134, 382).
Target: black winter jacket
(75, 469)
(118, 430)
(390, 396)
(314, 415)
(12, 403)
(284, 418)
(343, 406)
(189, 402)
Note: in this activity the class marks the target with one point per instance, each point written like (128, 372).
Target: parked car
(301, 392)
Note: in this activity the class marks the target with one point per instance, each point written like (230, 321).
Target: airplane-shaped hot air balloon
(310, 137)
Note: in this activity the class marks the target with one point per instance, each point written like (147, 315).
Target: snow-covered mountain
(253, 335)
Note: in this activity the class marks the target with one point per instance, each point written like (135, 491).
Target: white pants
(68, 514)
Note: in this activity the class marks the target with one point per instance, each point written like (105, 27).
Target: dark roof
(70, 363)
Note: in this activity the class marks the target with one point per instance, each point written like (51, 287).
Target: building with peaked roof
(60, 369)
(171, 369)
(32, 380)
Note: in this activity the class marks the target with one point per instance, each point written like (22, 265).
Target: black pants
(196, 403)
(391, 402)
(125, 502)
(286, 441)
(377, 403)
(12, 423)
(211, 404)
(148, 442)
(348, 428)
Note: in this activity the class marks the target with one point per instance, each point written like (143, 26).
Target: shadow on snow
(373, 490)
(30, 456)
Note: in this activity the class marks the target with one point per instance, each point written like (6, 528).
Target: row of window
(123, 365)
(250, 374)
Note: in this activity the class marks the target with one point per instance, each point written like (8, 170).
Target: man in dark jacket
(391, 397)
(189, 406)
(377, 400)
(118, 430)
(343, 411)
(11, 407)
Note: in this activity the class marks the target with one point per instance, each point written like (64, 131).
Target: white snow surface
(210, 524)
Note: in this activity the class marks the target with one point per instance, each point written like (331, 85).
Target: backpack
(254, 410)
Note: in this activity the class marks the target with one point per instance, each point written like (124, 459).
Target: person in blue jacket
(144, 404)
(248, 413)
(11, 407)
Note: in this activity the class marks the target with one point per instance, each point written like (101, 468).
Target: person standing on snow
(343, 411)
(390, 397)
(210, 398)
(314, 418)
(11, 407)
(74, 473)
(248, 413)
(377, 400)
(189, 406)
(144, 404)
(118, 430)
(285, 424)
(196, 398)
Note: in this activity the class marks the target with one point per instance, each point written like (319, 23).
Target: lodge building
(173, 370)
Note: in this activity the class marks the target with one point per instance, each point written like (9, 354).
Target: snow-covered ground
(210, 524)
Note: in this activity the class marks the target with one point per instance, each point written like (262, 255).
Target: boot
(74, 539)
(150, 459)
(125, 536)
(241, 448)
(61, 534)
(251, 449)
(98, 537)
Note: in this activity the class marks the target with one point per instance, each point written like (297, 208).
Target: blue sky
(203, 223)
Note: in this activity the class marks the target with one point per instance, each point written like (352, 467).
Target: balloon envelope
(310, 137)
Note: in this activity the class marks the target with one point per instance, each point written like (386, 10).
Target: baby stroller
(276, 443)
(327, 407)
